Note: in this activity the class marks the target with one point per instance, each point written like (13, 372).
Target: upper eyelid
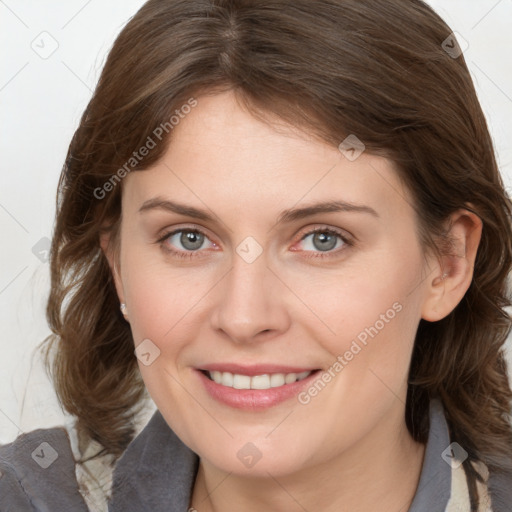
(166, 234)
(322, 228)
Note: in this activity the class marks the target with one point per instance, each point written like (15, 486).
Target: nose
(251, 304)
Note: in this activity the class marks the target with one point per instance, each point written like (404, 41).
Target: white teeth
(241, 381)
(290, 377)
(260, 382)
(226, 379)
(276, 380)
(264, 381)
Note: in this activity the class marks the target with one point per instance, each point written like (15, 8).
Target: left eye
(323, 240)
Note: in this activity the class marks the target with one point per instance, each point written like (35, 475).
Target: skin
(349, 446)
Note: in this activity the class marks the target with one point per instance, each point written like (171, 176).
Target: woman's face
(257, 292)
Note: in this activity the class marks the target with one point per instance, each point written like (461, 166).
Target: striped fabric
(459, 495)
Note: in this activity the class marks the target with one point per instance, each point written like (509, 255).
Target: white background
(41, 103)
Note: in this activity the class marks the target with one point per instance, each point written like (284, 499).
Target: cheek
(360, 298)
(366, 319)
(161, 297)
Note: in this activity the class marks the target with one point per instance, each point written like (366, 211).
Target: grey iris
(324, 241)
(191, 240)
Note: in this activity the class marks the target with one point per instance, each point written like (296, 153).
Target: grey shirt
(157, 473)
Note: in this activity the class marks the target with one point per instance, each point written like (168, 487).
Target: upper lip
(254, 369)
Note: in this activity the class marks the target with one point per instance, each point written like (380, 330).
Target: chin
(251, 461)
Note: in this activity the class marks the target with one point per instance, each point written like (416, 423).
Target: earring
(439, 279)
(123, 309)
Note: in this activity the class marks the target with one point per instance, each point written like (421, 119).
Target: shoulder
(37, 472)
(499, 488)
(471, 485)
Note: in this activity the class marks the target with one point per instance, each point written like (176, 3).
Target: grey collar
(157, 471)
(434, 487)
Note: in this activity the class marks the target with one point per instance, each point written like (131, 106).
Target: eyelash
(314, 254)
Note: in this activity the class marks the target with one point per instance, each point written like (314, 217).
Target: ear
(109, 248)
(454, 272)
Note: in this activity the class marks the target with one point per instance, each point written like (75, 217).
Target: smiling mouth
(264, 381)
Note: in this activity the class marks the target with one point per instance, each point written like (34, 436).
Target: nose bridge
(250, 301)
(246, 282)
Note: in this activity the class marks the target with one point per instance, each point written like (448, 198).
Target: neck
(380, 473)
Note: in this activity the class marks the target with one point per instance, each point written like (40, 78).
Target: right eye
(185, 242)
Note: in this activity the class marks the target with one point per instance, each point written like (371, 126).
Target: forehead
(221, 155)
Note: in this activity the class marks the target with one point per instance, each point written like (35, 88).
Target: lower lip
(254, 399)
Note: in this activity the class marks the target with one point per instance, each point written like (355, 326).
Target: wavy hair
(376, 69)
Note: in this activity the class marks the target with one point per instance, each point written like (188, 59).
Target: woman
(284, 222)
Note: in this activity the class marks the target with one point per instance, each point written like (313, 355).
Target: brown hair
(337, 67)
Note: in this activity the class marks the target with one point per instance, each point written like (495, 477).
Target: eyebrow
(290, 215)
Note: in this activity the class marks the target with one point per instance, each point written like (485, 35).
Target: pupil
(326, 241)
(191, 240)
